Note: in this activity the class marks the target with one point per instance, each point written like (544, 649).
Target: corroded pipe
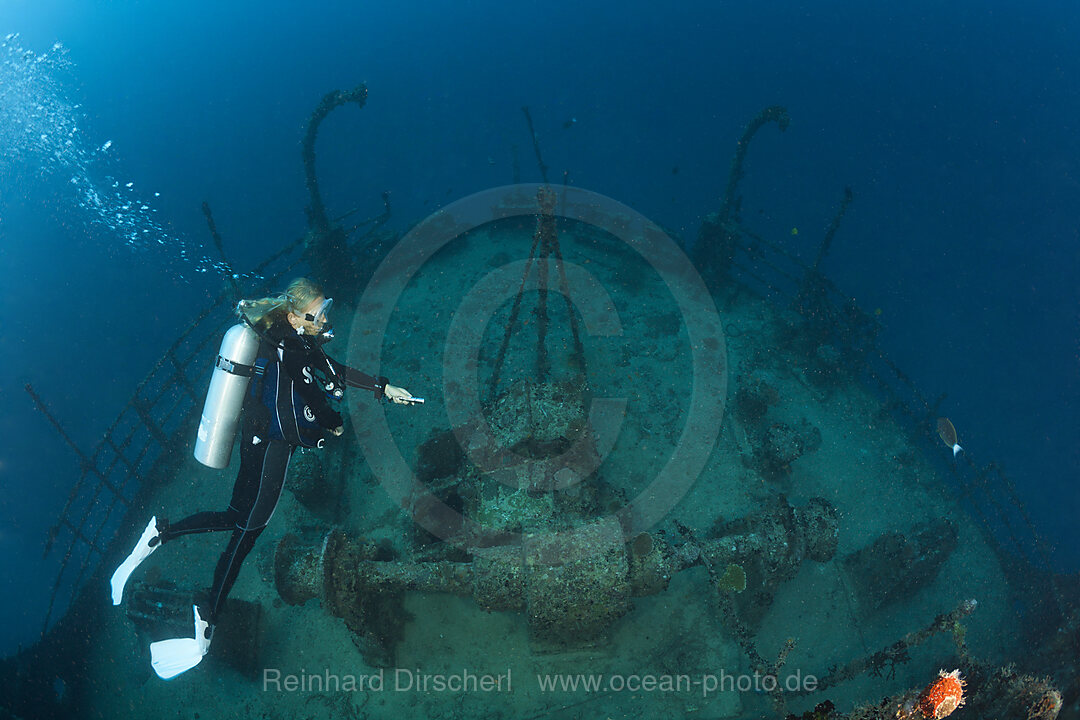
(332, 100)
(774, 113)
(327, 244)
(572, 584)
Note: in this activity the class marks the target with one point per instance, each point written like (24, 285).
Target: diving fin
(172, 657)
(142, 550)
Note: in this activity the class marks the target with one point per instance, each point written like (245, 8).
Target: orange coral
(943, 696)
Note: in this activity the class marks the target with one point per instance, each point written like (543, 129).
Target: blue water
(954, 123)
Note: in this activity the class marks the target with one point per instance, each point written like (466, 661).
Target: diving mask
(320, 315)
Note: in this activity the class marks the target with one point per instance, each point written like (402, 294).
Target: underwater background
(954, 124)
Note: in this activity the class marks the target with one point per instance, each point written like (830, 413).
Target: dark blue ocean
(954, 124)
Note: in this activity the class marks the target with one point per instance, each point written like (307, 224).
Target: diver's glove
(401, 396)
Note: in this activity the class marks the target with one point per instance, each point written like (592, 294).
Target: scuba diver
(272, 366)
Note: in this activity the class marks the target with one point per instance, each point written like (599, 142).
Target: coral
(1003, 694)
(537, 419)
(512, 509)
(642, 544)
(733, 580)
(822, 711)
(1014, 695)
(652, 563)
(821, 529)
(753, 399)
(943, 696)
(781, 444)
(937, 700)
(1045, 706)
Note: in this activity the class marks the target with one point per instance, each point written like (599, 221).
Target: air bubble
(40, 126)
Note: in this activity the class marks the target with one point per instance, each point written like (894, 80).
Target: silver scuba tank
(228, 386)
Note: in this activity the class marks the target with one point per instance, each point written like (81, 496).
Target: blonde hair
(264, 312)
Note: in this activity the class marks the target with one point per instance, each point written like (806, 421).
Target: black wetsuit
(290, 362)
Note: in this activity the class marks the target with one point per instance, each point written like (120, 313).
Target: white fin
(169, 658)
(141, 552)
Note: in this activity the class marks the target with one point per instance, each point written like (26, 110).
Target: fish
(947, 433)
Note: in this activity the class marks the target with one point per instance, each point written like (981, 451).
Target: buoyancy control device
(228, 385)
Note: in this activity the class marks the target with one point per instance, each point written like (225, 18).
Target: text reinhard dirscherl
(466, 681)
(396, 680)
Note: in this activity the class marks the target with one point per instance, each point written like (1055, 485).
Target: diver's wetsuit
(265, 450)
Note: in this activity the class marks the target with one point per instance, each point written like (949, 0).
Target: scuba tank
(228, 385)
